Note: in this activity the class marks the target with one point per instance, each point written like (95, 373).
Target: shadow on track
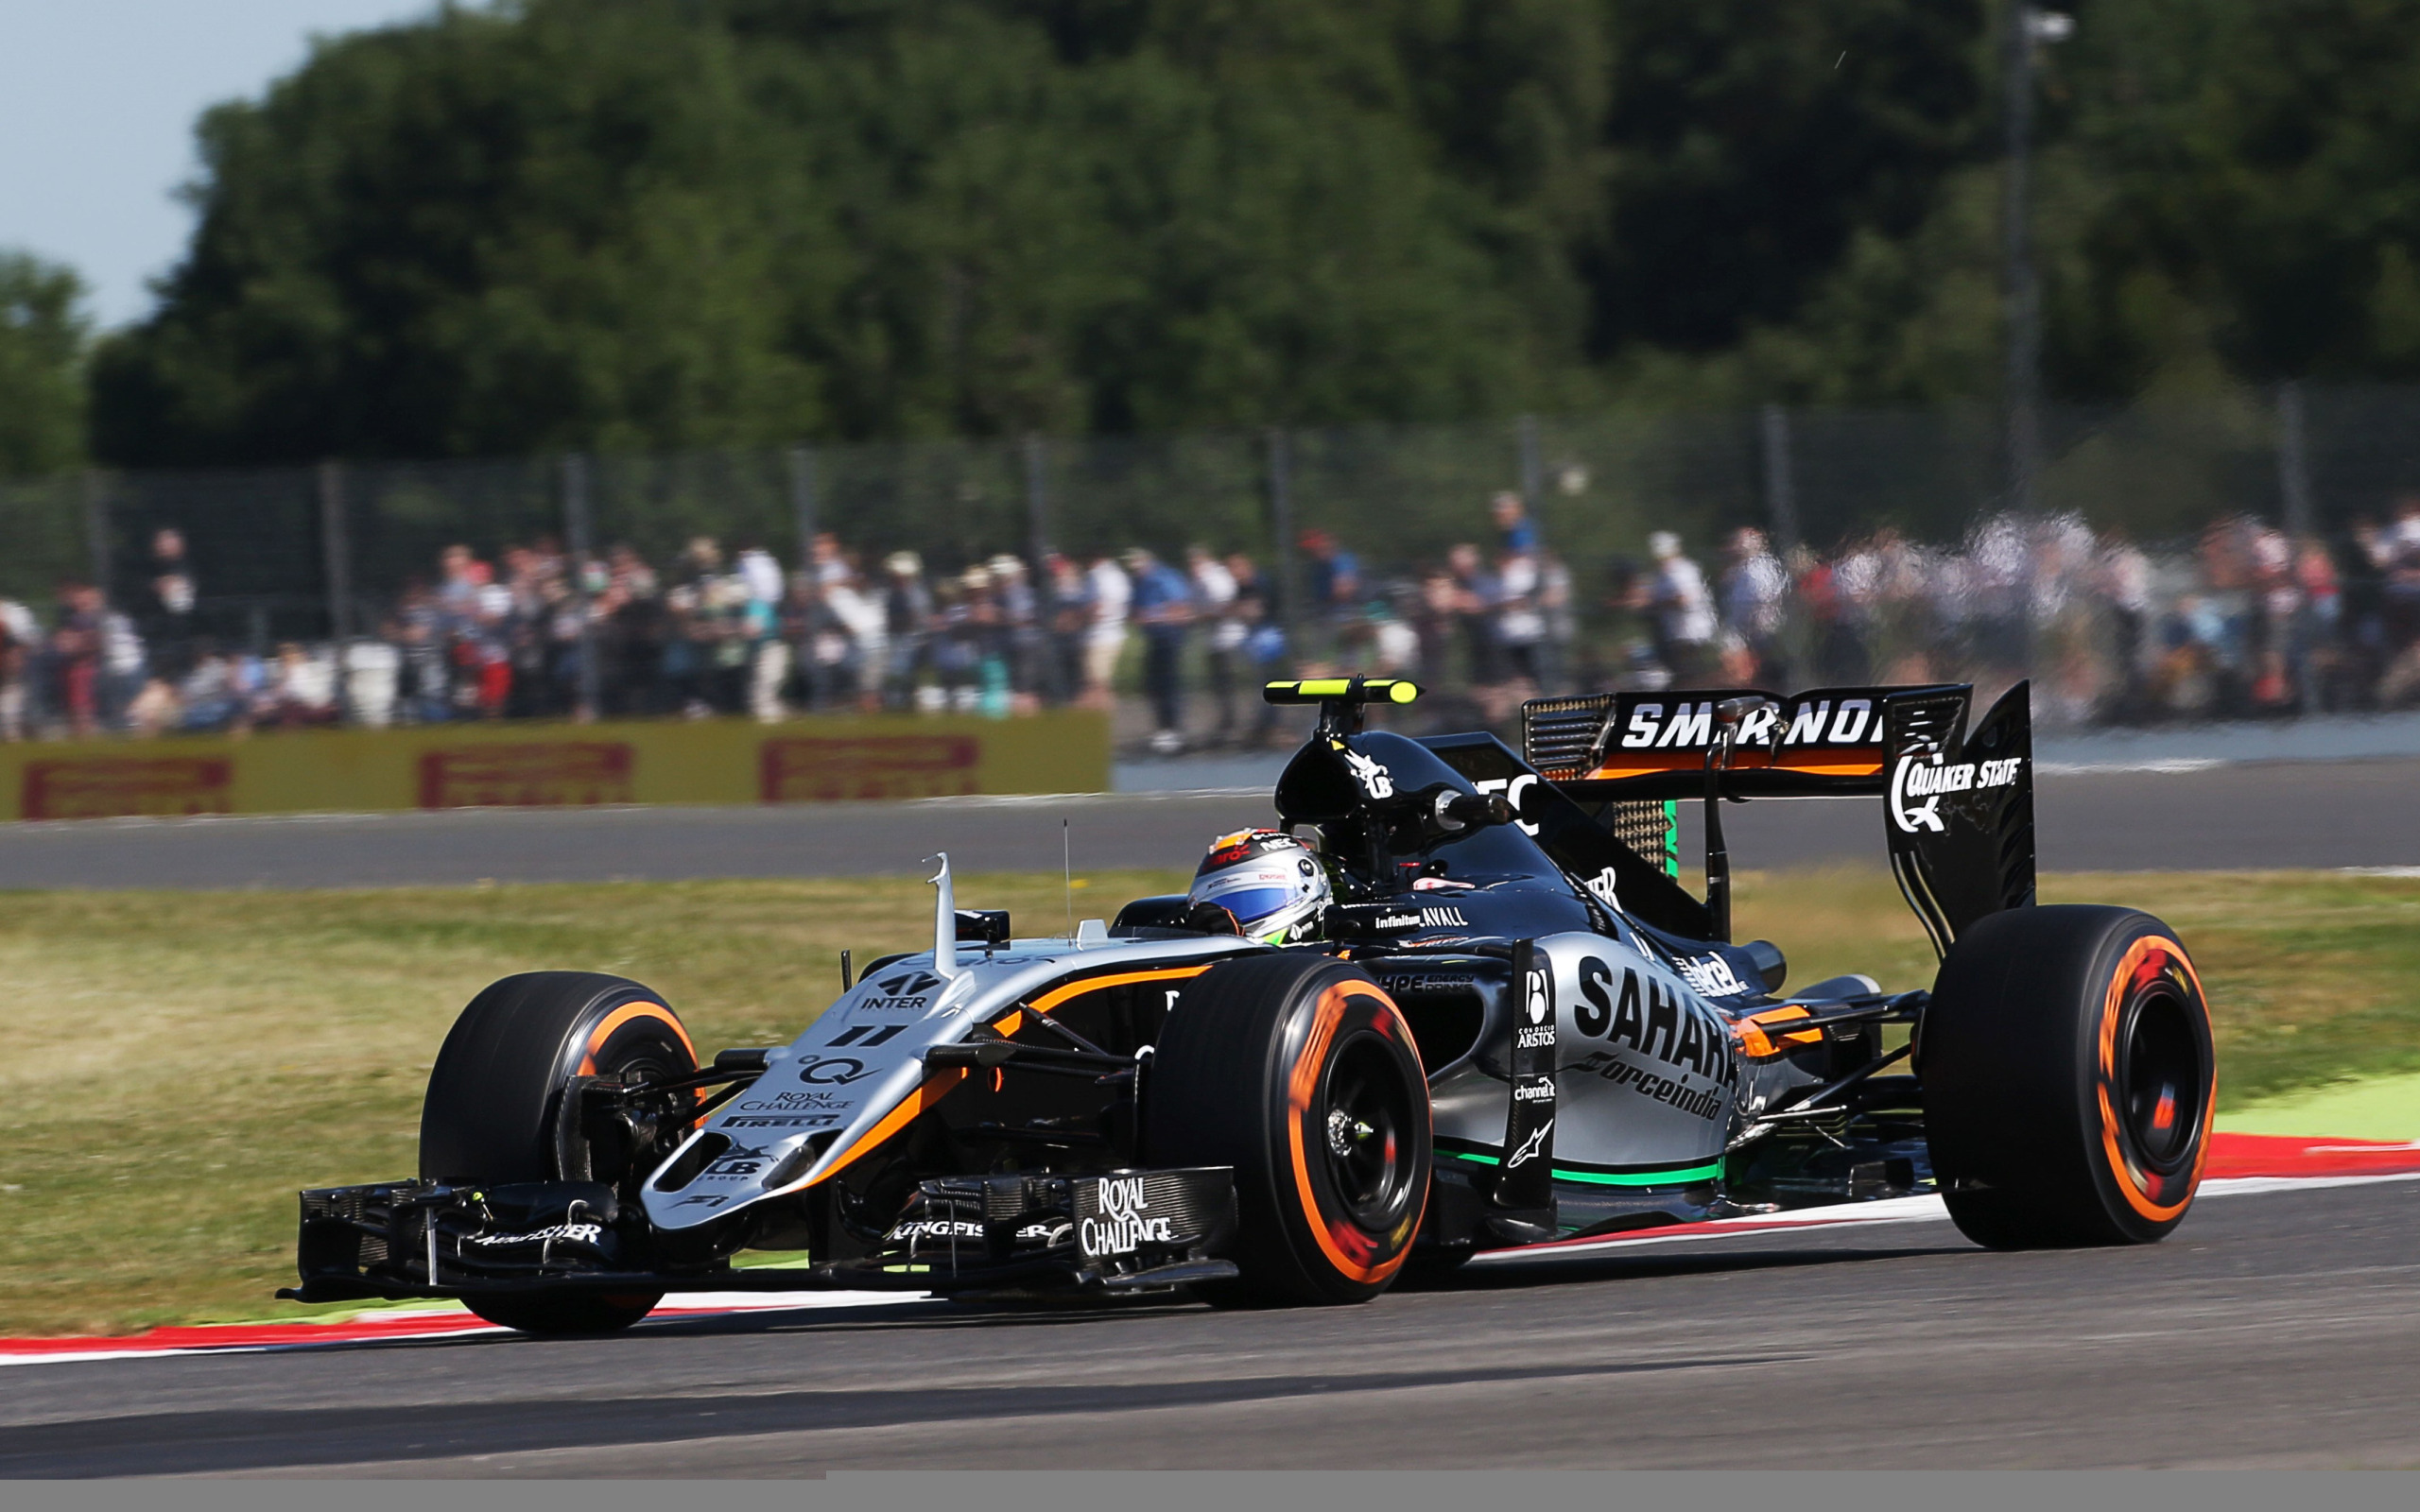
(195, 1443)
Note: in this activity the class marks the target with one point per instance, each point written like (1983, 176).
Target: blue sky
(97, 102)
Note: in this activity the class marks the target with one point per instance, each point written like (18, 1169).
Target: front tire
(2067, 1076)
(1299, 1072)
(495, 1111)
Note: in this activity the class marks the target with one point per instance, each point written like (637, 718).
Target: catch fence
(327, 552)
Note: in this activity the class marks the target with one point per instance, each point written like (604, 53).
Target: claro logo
(832, 1071)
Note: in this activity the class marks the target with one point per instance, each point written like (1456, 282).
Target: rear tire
(494, 1110)
(2067, 1077)
(1300, 1072)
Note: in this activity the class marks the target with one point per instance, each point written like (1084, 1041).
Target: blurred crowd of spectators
(2246, 623)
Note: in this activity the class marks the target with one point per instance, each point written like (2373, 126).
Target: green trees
(698, 222)
(43, 336)
(639, 221)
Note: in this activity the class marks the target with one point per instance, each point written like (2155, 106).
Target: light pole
(2029, 28)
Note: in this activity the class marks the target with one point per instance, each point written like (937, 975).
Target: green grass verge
(2384, 1107)
(183, 1062)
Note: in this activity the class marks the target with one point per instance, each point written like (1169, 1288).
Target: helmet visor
(1251, 905)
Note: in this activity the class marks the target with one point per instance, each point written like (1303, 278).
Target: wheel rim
(2160, 1078)
(620, 1148)
(1364, 1118)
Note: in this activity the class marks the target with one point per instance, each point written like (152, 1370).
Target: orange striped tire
(495, 1112)
(2067, 1078)
(1299, 1072)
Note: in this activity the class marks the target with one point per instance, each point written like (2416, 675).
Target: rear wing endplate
(1958, 804)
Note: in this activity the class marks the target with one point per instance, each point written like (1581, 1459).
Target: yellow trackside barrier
(817, 760)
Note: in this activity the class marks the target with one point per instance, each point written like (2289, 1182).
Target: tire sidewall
(2142, 1200)
(1329, 1014)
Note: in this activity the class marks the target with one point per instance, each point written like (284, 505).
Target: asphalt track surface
(2276, 1329)
(2251, 815)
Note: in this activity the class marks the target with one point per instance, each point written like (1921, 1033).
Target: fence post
(336, 558)
(575, 529)
(1281, 519)
(1037, 505)
(2022, 291)
(1781, 482)
(2293, 461)
(96, 529)
(801, 464)
(1532, 473)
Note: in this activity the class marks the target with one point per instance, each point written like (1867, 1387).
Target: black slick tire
(1299, 1072)
(2067, 1077)
(494, 1109)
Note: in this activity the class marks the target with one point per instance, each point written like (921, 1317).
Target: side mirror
(982, 926)
(1449, 812)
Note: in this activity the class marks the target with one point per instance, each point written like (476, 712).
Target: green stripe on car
(1681, 1176)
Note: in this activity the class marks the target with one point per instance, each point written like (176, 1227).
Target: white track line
(1866, 1214)
(1880, 1213)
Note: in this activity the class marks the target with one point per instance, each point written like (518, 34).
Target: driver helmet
(1269, 882)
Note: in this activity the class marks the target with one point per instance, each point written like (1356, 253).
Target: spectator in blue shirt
(1335, 584)
(1164, 607)
(1512, 523)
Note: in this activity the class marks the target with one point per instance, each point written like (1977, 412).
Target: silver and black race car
(1512, 1027)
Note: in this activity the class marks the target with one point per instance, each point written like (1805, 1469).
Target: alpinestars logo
(1375, 779)
(1530, 1147)
(1125, 1223)
(1930, 780)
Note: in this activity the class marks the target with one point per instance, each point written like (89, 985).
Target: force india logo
(1125, 1223)
(1918, 786)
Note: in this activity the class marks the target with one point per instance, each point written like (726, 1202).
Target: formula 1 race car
(1509, 1025)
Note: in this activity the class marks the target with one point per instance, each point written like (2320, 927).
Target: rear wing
(1826, 742)
(1958, 803)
